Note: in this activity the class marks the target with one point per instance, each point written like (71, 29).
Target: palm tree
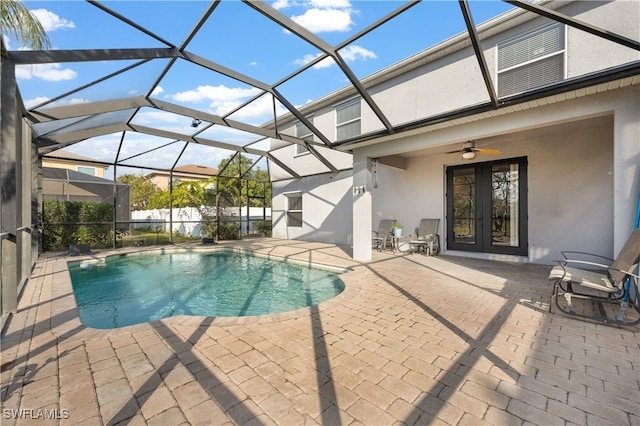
(15, 18)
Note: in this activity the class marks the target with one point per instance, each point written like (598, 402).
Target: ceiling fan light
(468, 155)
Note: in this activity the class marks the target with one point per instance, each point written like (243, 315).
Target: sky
(235, 36)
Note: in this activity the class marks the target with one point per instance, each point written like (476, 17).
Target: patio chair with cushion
(599, 286)
(382, 237)
(427, 238)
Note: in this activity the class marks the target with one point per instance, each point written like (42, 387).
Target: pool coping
(66, 320)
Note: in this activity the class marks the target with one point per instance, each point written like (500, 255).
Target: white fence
(186, 220)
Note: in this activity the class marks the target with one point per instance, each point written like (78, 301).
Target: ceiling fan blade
(458, 151)
(489, 151)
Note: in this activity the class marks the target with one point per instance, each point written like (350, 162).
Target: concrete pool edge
(66, 323)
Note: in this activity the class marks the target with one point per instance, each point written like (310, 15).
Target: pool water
(133, 289)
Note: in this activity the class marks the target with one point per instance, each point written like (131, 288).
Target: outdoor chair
(600, 287)
(427, 238)
(382, 237)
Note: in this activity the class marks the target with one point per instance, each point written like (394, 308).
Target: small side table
(396, 243)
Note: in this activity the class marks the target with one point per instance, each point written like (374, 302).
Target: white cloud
(149, 116)
(323, 4)
(157, 90)
(325, 63)
(221, 99)
(100, 147)
(320, 16)
(354, 52)
(259, 111)
(325, 20)
(306, 59)
(74, 101)
(30, 103)
(281, 4)
(46, 72)
(349, 54)
(319, 4)
(50, 21)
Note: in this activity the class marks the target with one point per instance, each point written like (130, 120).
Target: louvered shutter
(532, 60)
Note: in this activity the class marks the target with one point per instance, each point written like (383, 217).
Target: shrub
(76, 222)
(228, 231)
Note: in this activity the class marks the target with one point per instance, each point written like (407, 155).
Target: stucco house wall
(570, 181)
(582, 148)
(453, 80)
(583, 171)
(73, 165)
(327, 208)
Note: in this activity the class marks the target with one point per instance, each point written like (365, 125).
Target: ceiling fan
(469, 151)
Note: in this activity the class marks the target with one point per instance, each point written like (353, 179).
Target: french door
(487, 207)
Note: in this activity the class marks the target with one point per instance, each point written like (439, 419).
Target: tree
(259, 187)
(16, 19)
(237, 181)
(142, 190)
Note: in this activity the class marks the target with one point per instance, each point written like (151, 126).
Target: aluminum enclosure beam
(52, 56)
(592, 29)
(475, 41)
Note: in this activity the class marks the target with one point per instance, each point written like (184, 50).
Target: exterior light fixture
(468, 155)
(196, 122)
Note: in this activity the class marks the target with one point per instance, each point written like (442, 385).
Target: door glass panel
(464, 206)
(504, 205)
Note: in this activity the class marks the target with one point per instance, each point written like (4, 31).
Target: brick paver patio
(412, 340)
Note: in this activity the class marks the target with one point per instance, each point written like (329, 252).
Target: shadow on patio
(413, 339)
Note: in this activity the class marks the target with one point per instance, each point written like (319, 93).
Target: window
(532, 60)
(86, 170)
(303, 132)
(348, 119)
(294, 210)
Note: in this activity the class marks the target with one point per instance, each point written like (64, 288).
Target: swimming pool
(131, 289)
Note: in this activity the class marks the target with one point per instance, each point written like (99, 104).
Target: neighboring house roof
(71, 156)
(193, 170)
(52, 173)
(69, 185)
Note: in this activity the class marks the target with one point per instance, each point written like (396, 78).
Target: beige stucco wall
(160, 181)
(60, 164)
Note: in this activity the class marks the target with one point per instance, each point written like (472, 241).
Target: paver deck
(412, 340)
